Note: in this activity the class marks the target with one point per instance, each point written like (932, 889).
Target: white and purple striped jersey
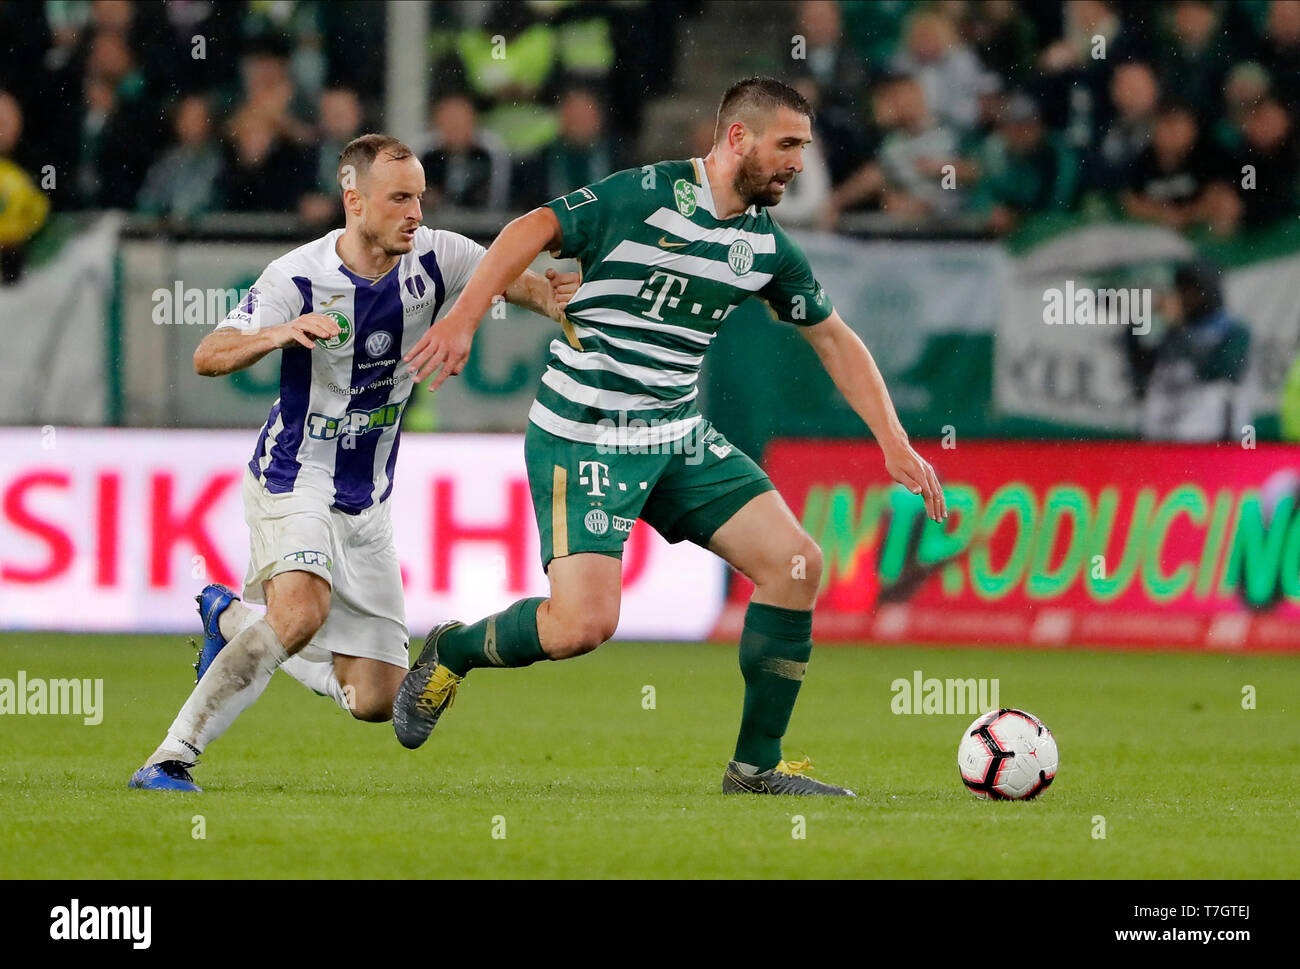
(334, 429)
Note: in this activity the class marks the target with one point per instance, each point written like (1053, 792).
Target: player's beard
(369, 239)
(753, 182)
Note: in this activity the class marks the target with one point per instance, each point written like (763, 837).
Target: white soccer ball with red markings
(1007, 755)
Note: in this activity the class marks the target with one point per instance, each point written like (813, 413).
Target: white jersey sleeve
(272, 300)
(458, 257)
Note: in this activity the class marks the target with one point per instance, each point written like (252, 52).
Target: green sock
(774, 650)
(507, 639)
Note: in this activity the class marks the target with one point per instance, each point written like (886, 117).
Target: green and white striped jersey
(660, 272)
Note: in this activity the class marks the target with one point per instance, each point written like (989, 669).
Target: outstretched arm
(447, 342)
(544, 295)
(852, 369)
(227, 350)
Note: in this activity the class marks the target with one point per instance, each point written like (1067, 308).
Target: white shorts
(300, 532)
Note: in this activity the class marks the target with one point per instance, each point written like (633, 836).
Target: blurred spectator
(581, 155)
(874, 27)
(340, 121)
(117, 130)
(829, 61)
(1271, 148)
(906, 178)
(1003, 38)
(1135, 96)
(1280, 51)
(296, 31)
(261, 170)
(1076, 69)
(646, 35)
(464, 165)
(183, 182)
(507, 66)
(220, 27)
(1023, 168)
(1180, 180)
(26, 40)
(1195, 56)
(948, 71)
(1193, 382)
(23, 206)
(269, 94)
(837, 136)
(1247, 84)
(584, 46)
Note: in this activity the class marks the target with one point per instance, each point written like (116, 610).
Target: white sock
(235, 618)
(235, 679)
(317, 677)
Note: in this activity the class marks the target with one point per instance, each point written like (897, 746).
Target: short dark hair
(361, 152)
(755, 96)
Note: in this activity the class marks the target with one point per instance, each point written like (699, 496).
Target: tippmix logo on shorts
(310, 558)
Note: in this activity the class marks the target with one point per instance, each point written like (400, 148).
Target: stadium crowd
(1182, 112)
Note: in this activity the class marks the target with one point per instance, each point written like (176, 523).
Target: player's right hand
(444, 348)
(305, 330)
(917, 475)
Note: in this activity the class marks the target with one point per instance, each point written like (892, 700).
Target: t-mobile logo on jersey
(669, 281)
(595, 474)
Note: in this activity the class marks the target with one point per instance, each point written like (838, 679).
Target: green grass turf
(590, 784)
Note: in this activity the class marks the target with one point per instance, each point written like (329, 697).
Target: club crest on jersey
(377, 343)
(597, 522)
(415, 286)
(344, 335)
(740, 257)
(684, 196)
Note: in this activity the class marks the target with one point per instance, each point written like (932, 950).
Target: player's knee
(810, 554)
(371, 709)
(581, 636)
(299, 620)
(794, 574)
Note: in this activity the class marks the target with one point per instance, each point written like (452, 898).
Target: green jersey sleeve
(794, 293)
(585, 214)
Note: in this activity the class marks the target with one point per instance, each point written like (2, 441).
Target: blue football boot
(169, 775)
(212, 601)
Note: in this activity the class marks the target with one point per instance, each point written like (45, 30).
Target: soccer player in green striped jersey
(667, 252)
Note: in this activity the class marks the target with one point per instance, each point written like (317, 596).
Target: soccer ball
(1007, 755)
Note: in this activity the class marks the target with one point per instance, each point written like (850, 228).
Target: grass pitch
(583, 781)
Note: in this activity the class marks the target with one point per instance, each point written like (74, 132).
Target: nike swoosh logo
(331, 301)
(663, 241)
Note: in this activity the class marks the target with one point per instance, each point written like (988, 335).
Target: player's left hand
(444, 345)
(563, 286)
(916, 474)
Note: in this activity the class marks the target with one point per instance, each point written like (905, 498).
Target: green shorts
(587, 497)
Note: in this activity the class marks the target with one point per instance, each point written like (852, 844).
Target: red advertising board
(116, 530)
(1049, 544)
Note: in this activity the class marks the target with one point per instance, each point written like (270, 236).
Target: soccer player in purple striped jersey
(342, 310)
